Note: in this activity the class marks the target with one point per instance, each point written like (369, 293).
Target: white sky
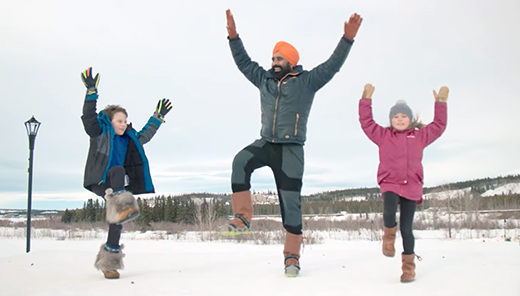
(149, 50)
(337, 267)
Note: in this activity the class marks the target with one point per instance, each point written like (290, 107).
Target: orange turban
(288, 52)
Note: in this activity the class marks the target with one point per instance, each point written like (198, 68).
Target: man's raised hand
(352, 26)
(231, 28)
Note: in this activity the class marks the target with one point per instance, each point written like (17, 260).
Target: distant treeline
(157, 209)
(477, 186)
(187, 211)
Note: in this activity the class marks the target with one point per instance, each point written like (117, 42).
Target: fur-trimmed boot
(109, 260)
(291, 254)
(121, 206)
(389, 241)
(408, 268)
(243, 211)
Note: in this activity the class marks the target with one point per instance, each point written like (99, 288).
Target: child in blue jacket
(116, 166)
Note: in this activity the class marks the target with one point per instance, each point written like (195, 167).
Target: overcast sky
(147, 50)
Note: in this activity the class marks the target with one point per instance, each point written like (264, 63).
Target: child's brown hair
(110, 110)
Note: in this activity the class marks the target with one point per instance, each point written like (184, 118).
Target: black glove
(90, 82)
(163, 107)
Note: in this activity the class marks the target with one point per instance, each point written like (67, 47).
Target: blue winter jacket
(101, 132)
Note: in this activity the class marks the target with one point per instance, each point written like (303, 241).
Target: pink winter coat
(400, 153)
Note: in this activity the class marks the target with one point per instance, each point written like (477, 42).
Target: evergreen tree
(66, 217)
(204, 211)
(169, 214)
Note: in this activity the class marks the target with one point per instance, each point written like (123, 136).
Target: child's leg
(116, 178)
(121, 205)
(406, 224)
(114, 234)
(390, 201)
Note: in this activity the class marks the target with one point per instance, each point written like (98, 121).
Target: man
(286, 94)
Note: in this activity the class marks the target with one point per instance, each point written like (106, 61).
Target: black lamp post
(32, 125)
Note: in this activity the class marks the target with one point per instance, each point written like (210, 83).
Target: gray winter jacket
(286, 103)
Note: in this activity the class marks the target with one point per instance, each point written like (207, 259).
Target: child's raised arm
(163, 107)
(89, 117)
(373, 130)
(442, 96)
(434, 130)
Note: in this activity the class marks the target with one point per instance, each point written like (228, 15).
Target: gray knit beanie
(401, 107)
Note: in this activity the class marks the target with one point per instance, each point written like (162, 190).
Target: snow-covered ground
(504, 189)
(335, 267)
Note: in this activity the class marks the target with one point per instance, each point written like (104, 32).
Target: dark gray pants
(391, 200)
(116, 181)
(287, 163)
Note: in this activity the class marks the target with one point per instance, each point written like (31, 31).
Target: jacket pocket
(382, 178)
(296, 124)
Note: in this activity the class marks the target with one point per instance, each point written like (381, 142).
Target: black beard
(284, 70)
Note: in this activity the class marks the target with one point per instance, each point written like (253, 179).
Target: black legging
(116, 181)
(391, 200)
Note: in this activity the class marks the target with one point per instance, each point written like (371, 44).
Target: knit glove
(352, 26)
(368, 91)
(442, 96)
(231, 28)
(163, 107)
(90, 82)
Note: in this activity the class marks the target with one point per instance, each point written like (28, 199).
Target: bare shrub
(5, 223)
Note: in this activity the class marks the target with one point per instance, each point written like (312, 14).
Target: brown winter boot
(243, 211)
(109, 260)
(389, 241)
(111, 274)
(291, 253)
(408, 268)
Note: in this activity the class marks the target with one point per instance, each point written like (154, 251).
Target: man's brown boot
(408, 268)
(291, 253)
(389, 241)
(242, 210)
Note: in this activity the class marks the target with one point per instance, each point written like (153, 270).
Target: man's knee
(238, 174)
(294, 229)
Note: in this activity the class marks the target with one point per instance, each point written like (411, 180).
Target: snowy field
(335, 267)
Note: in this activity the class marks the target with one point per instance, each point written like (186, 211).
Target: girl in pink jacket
(400, 172)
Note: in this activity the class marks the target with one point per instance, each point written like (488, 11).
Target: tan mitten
(442, 96)
(368, 91)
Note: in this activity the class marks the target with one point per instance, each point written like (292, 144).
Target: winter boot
(109, 260)
(389, 241)
(243, 211)
(121, 206)
(408, 268)
(291, 253)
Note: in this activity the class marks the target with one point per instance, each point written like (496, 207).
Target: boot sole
(128, 218)
(292, 271)
(233, 233)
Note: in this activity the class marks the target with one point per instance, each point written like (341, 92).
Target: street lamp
(32, 125)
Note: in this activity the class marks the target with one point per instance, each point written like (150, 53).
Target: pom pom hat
(401, 107)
